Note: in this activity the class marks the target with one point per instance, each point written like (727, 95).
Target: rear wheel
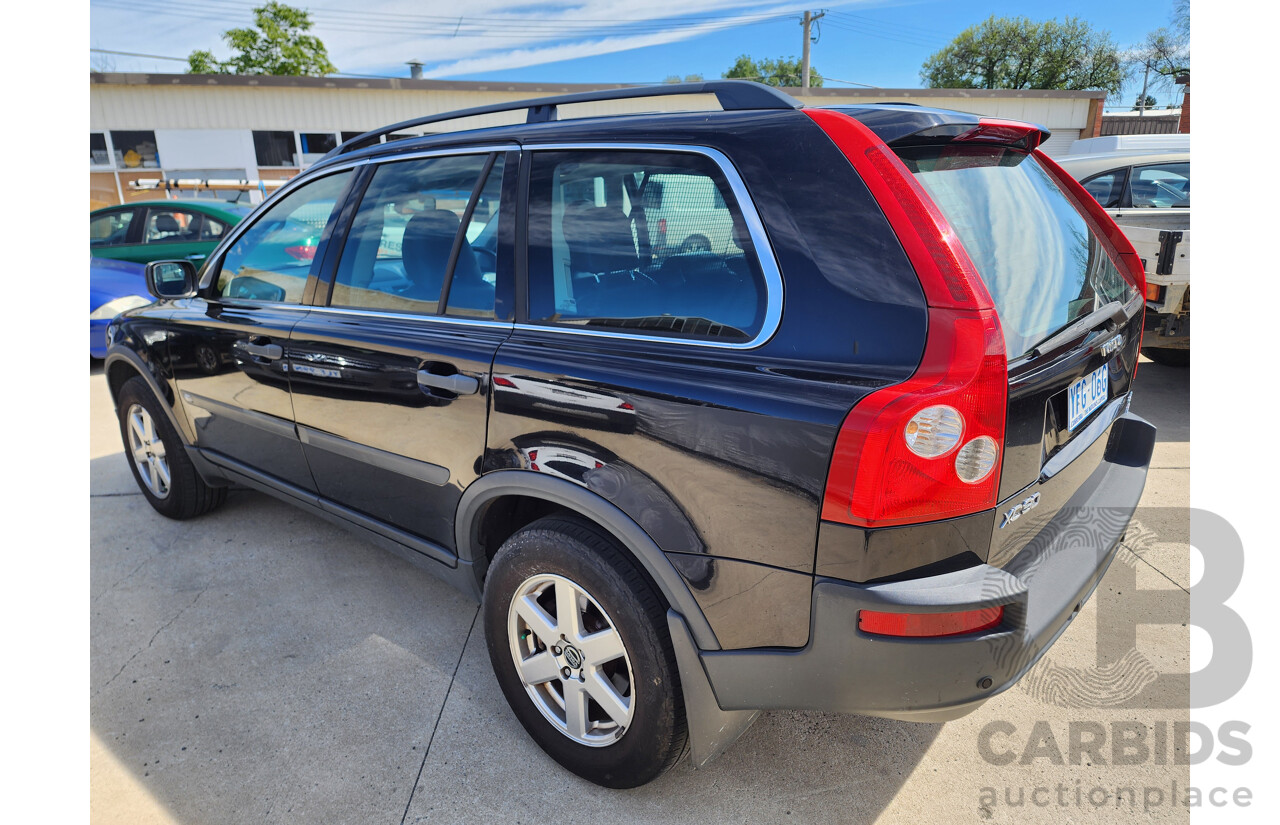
(156, 456)
(579, 644)
(1168, 357)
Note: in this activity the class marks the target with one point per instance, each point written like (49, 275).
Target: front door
(227, 346)
(390, 371)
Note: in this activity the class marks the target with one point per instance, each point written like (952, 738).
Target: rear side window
(1033, 249)
(273, 258)
(171, 226)
(644, 242)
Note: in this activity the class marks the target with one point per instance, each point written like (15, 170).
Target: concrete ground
(259, 665)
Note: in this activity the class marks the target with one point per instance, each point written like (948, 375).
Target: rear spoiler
(899, 125)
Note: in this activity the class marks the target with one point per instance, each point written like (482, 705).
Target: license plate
(1086, 395)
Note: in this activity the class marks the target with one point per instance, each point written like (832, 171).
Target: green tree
(689, 78)
(1019, 53)
(785, 71)
(1137, 102)
(277, 45)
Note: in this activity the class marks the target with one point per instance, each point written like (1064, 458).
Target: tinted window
(110, 229)
(1042, 265)
(272, 259)
(274, 148)
(1107, 188)
(171, 226)
(646, 242)
(410, 219)
(1163, 185)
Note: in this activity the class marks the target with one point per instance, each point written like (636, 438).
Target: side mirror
(171, 279)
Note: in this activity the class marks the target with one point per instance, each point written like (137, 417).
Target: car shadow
(260, 663)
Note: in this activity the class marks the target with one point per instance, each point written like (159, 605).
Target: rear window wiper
(1113, 311)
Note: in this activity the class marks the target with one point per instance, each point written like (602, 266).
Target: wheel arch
(121, 364)
(501, 502)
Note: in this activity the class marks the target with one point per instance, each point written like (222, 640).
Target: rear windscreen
(1034, 251)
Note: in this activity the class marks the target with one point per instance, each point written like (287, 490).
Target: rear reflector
(1154, 292)
(918, 625)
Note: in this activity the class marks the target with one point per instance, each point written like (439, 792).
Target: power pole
(1142, 101)
(809, 18)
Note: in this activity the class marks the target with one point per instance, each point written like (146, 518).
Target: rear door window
(641, 242)
(410, 220)
(1030, 244)
(171, 226)
(110, 229)
(1107, 188)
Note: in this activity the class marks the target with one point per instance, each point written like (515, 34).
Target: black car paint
(735, 436)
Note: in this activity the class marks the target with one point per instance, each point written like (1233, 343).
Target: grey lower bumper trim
(1042, 588)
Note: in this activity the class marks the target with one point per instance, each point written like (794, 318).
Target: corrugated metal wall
(154, 106)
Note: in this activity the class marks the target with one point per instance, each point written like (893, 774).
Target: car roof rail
(733, 95)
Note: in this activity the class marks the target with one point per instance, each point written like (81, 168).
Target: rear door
(1071, 319)
(390, 371)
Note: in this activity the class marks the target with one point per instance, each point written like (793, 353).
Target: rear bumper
(1042, 589)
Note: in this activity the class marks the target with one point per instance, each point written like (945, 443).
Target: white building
(259, 127)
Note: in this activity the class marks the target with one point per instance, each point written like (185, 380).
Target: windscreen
(1033, 249)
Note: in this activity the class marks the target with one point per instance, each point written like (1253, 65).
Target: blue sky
(873, 43)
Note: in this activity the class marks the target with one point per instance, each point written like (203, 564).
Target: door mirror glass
(171, 279)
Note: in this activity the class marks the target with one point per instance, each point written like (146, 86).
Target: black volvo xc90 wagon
(716, 412)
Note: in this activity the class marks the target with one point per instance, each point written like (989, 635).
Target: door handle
(199, 257)
(271, 352)
(457, 384)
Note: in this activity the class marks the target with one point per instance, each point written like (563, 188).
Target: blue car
(114, 286)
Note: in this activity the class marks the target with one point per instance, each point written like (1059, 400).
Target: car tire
(630, 735)
(1168, 357)
(158, 458)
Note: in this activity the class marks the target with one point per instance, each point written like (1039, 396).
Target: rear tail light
(929, 624)
(883, 471)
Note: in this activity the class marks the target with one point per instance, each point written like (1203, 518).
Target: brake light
(1026, 136)
(301, 253)
(929, 624)
(876, 479)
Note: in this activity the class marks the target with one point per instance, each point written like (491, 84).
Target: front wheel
(578, 641)
(156, 456)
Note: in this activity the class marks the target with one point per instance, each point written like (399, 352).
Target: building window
(135, 149)
(316, 145)
(98, 155)
(274, 148)
(346, 136)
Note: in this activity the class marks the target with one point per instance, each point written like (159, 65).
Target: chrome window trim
(755, 228)
(305, 177)
(408, 316)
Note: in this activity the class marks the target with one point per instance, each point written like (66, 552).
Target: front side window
(273, 258)
(644, 242)
(1161, 186)
(409, 222)
(110, 229)
(171, 226)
